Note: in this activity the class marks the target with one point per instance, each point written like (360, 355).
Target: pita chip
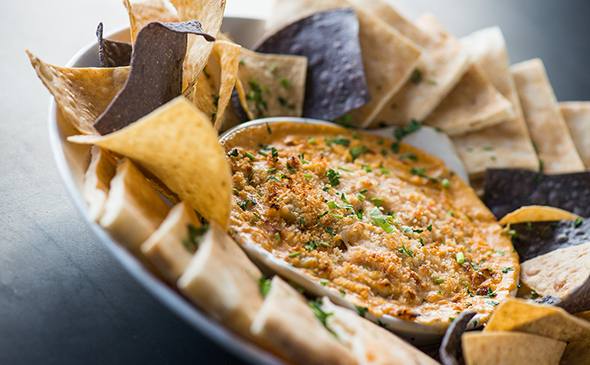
(577, 118)
(440, 67)
(97, 180)
(385, 75)
(508, 144)
(549, 132)
(133, 210)
(510, 348)
(288, 323)
(222, 281)
(370, 343)
(82, 94)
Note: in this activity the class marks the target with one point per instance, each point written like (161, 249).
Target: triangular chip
(547, 321)
(287, 322)
(222, 281)
(143, 12)
(271, 85)
(178, 144)
(369, 343)
(82, 94)
(508, 144)
(439, 69)
(537, 213)
(510, 348)
(133, 210)
(210, 14)
(112, 53)
(577, 118)
(450, 350)
(385, 74)
(97, 180)
(549, 132)
(171, 247)
(156, 74)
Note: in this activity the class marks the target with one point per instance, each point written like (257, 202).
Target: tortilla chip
(222, 281)
(507, 190)
(172, 143)
(210, 14)
(555, 146)
(472, 105)
(547, 321)
(155, 77)
(505, 145)
(577, 118)
(213, 90)
(584, 315)
(289, 324)
(510, 348)
(439, 69)
(450, 349)
(143, 12)
(82, 94)
(537, 213)
(563, 274)
(385, 74)
(170, 248)
(271, 85)
(369, 343)
(97, 180)
(112, 53)
(336, 81)
(133, 210)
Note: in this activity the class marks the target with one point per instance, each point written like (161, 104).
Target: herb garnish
(195, 236)
(460, 257)
(381, 220)
(578, 222)
(416, 76)
(264, 285)
(406, 251)
(333, 177)
(285, 83)
(402, 132)
(339, 141)
(320, 314)
(361, 310)
(255, 95)
(357, 151)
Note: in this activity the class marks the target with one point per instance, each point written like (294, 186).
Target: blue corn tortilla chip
(112, 53)
(450, 351)
(156, 73)
(336, 82)
(509, 189)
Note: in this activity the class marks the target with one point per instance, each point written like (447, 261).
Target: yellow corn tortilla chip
(538, 213)
(510, 348)
(472, 105)
(169, 247)
(97, 180)
(440, 67)
(143, 12)
(549, 132)
(505, 145)
(558, 273)
(178, 144)
(271, 85)
(222, 281)
(210, 14)
(577, 117)
(385, 74)
(213, 90)
(133, 210)
(287, 322)
(521, 316)
(584, 315)
(82, 94)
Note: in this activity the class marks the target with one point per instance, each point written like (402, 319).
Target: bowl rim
(171, 299)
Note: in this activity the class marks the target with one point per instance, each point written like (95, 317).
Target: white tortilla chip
(439, 69)
(549, 132)
(385, 74)
(133, 210)
(577, 118)
(143, 12)
(508, 144)
(369, 343)
(510, 348)
(82, 94)
(289, 324)
(222, 281)
(97, 180)
(167, 248)
(558, 273)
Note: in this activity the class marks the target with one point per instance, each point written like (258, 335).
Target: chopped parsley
(406, 251)
(313, 245)
(234, 152)
(285, 83)
(402, 132)
(264, 285)
(333, 177)
(345, 120)
(361, 310)
(409, 156)
(490, 293)
(578, 222)
(438, 280)
(195, 236)
(429, 228)
(377, 201)
(247, 203)
(255, 95)
(339, 141)
(507, 269)
(357, 151)
(381, 220)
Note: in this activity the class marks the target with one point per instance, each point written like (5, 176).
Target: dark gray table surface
(63, 298)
